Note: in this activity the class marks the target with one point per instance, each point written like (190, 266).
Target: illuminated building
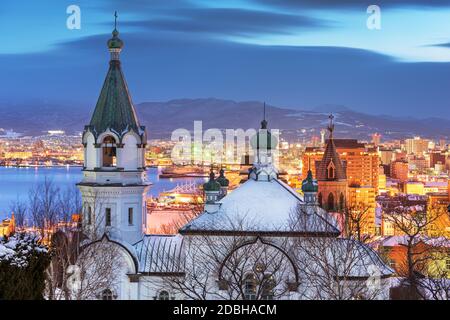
(361, 164)
(376, 139)
(418, 163)
(430, 259)
(381, 180)
(363, 199)
(8, 226)
(24, 155)
(437, 158)
(398, 204)
(438, 211)
(399, 170)
(416, 146)
(414, 187)
(386, 155)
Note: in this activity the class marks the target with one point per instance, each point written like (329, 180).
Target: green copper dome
(115, 42)
(224, 182)
(211, 185)
(309, 184)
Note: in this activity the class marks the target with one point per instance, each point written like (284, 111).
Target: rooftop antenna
(264, 122)
(264, 110)
(115, 20)
(331, 125)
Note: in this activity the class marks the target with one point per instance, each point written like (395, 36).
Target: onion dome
(211, 185)
(115, 42)
(224, 182)
(310, 184)
(263, 139)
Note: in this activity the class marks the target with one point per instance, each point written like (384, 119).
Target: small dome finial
(222, 180)
(115, 44)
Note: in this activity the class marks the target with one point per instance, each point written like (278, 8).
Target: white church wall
(128, 155)
(90, 152)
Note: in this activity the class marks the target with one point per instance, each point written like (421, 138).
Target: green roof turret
(224, 182)
(310, 184)
(211, 185)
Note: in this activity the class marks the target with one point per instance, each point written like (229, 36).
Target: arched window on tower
(331, 172)
(330, 202)
(109, 152)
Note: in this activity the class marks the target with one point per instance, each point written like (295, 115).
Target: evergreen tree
(23, 261)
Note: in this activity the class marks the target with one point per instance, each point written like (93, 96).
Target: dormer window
(109, 152)
(331, 171)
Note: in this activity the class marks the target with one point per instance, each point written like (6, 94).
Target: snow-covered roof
(263, 206)
(392, 241)
(159, 254)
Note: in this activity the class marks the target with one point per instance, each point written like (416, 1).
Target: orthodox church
(263, 240)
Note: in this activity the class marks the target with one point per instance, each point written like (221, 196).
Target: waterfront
(16, 182)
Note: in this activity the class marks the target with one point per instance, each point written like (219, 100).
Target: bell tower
(331, 176)
(114, 184)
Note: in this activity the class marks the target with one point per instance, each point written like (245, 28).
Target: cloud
(351, 4)
(228, 22)
(444, 45)
(158, 67)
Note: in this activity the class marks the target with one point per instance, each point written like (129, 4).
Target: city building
(376, 139)
(417, 146)
(438, 212)
(361, 163)
(8, 226)
(363, 199)
(386, 155)
(399, 170)
(437, 158)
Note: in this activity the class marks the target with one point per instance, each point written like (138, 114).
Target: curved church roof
(159, 254)
(264, 207)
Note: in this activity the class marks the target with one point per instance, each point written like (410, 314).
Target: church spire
(264, 145)
(114, 109)
(331, 168)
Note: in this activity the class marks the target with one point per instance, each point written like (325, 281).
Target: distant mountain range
(161, 118)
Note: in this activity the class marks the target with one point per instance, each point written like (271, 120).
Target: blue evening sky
(293, 53)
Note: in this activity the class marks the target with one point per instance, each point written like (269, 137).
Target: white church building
(263, 240)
